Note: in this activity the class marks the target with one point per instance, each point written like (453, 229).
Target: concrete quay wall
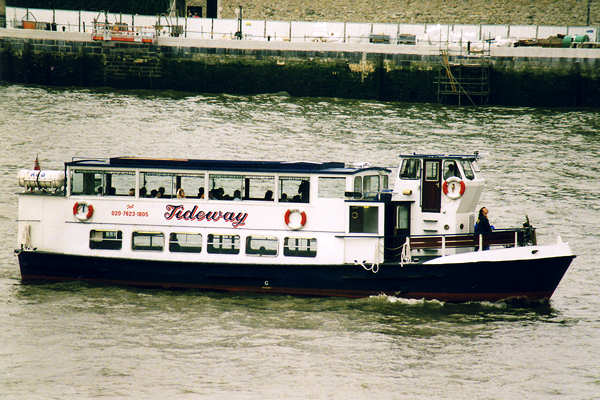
(518, 76)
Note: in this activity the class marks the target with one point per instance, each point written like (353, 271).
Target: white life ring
(453, 187)
(83, 211)
(295, 219)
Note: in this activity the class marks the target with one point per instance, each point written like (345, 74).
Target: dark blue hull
(492, 281)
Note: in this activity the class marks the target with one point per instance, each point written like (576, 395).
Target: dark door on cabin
(397, 228)
(432, 181)
(211, 8)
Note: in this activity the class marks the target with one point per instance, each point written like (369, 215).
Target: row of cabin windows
(411, 169)
(294, 189)
(180, 242)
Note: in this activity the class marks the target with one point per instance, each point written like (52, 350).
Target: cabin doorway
(432, 181)
(211, 9)
(397, 229)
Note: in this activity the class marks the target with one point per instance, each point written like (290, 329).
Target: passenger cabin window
(294, 189)
(410, 169)
(364, 219)
(261, 246)
(180, 242)
(240, 187)
(157, 185)
(467, 169)
(451, 169)
(148, 241)
(300, 247)
(106, 240)
(102, 183)
(192, 185)
(223, 244)
(332, 188)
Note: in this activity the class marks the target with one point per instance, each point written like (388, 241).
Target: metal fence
(476, 37)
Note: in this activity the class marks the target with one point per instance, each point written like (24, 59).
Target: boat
(278, 227)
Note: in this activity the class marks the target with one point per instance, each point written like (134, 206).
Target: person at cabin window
(237, 195)
(201, 193)
(180, 193)
(269, 195)
(482, 226)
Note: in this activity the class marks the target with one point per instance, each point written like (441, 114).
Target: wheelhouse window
(332, 188)
(106, 240)
(180, 242)
(300, 247)
(410, 169)
(223, 244)
(467, 169)
(294, 189)
(364, 219)
(148, 241)
(451, 169)
(262, 246)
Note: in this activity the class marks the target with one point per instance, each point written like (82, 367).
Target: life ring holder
(449, 187)
(295, 223)
(79, 210)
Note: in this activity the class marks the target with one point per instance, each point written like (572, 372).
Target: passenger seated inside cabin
(237, 195)
(132, 192)
(180, 193)
(143, 192)
(153, 193)
(269, 195)
(283, 198)
(161, 192)
(450, 170)
(112, 191)
(201, 193)
(99, 191)
(304, 191)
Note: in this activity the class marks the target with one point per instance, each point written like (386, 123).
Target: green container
(566, 42)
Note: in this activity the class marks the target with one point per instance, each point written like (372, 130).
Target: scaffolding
(467, 78)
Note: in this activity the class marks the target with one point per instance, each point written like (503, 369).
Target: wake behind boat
(324, 229)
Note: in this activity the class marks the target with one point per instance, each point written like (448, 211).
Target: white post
(480, 242)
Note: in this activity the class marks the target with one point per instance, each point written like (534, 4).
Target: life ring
(83, 211)
(295, 219)
(453, 187)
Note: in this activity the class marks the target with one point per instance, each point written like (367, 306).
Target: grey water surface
(76, 341)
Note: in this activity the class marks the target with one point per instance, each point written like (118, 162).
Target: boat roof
(300, 167)
(469, 157)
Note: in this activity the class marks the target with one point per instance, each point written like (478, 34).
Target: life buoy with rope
(453, 187)
(83, 211)
(295, 219)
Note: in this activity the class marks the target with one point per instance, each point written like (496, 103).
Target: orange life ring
(450, 189)
(83, 215)
(295, 223)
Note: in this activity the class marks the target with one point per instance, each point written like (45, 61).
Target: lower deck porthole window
(148, 241)
(180, 242)
(106, 240)
(223, 244)
(300, 247)
(261, 246)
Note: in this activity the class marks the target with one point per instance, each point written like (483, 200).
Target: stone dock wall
(518, 76)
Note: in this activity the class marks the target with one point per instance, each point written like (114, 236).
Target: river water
(73, 340)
